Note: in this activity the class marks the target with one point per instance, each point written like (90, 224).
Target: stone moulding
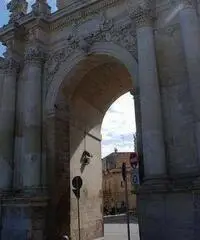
(81, 13)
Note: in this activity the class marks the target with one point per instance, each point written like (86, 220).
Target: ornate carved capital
(34, 54)
(18, 9)
(2, 64)
(143, 17)
(9, 66)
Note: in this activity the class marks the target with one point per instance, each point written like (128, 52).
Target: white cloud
(119, 125)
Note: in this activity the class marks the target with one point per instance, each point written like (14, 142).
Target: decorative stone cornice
(80, 14)
(18, 9)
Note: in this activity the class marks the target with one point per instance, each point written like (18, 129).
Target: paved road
(117, 231)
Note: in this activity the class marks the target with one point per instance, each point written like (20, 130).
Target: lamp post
(77, 183)
(124, 176)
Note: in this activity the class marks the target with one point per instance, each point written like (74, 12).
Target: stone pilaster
(152, 129)
(136, 96)
(7, 120)
(190, 29)
(32, 118)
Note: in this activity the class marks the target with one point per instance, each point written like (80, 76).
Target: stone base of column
(155, 183)
(23, 218)
(170, 214)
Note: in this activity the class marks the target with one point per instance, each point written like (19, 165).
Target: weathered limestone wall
(177, 110)
(169, 72)
(91, 193)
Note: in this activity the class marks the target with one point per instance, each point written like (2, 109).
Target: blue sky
(4, 14)
(119, 125)
(119, 122)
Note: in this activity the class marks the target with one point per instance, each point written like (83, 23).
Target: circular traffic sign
(77, 182)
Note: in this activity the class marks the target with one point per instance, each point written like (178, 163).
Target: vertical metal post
(126, 199)
(79, 225)
(127, 209)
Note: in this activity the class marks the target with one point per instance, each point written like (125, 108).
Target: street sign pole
(77, 184)
(124, 175)
(79, 224)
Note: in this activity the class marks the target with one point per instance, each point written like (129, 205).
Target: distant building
(113, 184)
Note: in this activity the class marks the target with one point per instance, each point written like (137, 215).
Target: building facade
(60, 73)
(114, 186)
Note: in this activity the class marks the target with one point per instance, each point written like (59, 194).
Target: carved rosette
(34, 55)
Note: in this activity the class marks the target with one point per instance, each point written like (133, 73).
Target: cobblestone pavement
(113, 231)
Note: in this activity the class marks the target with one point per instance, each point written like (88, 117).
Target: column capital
(143, 14)
(9, 66)
(34, 54)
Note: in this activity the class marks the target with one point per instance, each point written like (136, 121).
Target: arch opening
(118, 142)
(83, 98)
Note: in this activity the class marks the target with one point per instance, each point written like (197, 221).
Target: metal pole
(79, 225)
(127, 209)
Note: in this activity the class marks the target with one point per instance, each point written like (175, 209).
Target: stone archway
(167, 95)
(83, 97)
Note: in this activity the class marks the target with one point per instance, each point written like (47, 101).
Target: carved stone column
(190, 29)
(32, 117)
(7, 121)
(152, 129)
(136, 96)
